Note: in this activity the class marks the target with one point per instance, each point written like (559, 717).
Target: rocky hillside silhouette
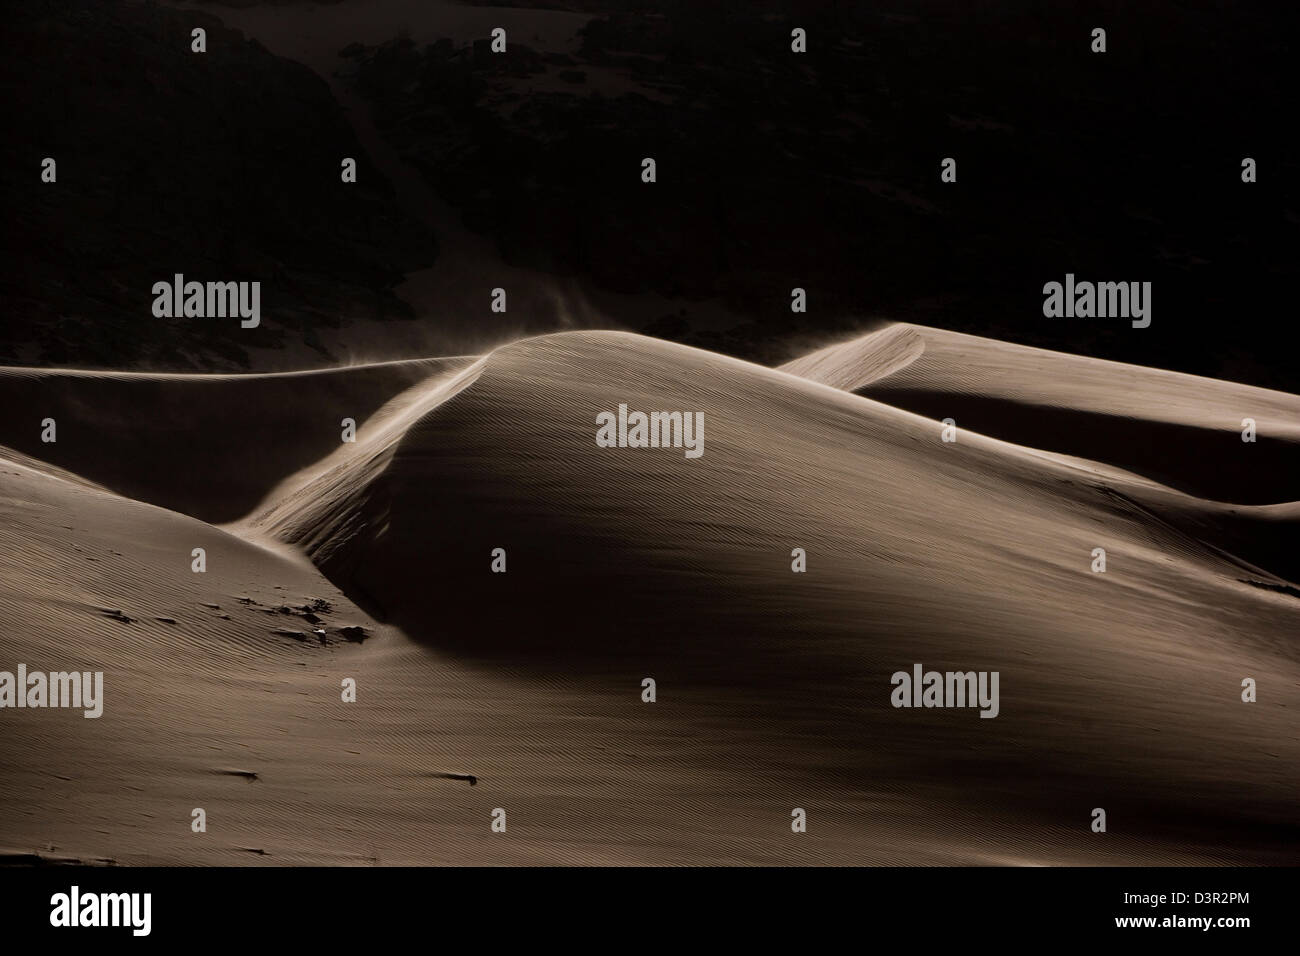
(822, 170)
(221, 166)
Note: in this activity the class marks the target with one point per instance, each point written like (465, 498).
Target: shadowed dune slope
(210, 446)
(1118, 689)
(206, 704)
(1181, 430)
(209, 703)
(217, 695)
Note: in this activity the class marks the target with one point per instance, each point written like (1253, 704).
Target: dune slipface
(625, 563)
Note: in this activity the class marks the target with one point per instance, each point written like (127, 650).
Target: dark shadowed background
(775, 170)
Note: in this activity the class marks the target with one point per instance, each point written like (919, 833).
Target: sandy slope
(1118, 690)
(1182, 430)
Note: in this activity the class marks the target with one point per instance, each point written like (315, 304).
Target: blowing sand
(1118, 690)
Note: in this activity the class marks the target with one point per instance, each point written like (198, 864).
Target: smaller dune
(1183, 431)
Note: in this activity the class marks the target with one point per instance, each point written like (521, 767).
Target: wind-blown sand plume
(640, 562)
(207, 445)
(1166, 425)
(326, 486)
(857, 363)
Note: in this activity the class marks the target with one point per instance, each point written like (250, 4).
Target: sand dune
(973, 555)
(1118, 690)
(1182, 430)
